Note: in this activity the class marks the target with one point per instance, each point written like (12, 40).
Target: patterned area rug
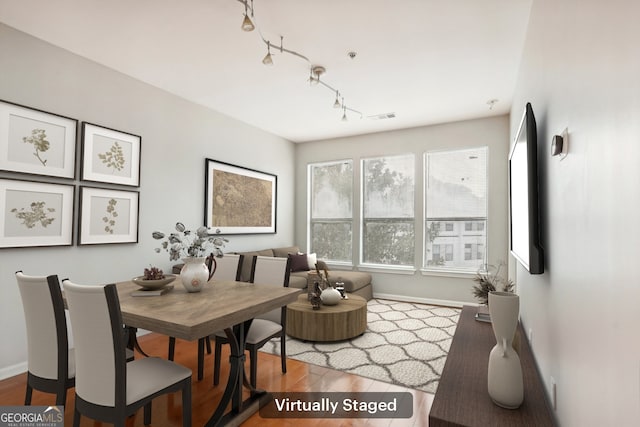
(405, 344)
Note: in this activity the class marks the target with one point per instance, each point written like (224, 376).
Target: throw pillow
(299, 262)
(312, 259)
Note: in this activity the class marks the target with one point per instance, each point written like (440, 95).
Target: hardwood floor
(167, 410)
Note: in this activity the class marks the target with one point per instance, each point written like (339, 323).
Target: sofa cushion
(284, 252)
(353, 280)
(298, 279)
(299, 262)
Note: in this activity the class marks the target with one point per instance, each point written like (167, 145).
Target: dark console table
(462, 398)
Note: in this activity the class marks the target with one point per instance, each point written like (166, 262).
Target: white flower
(186, 244)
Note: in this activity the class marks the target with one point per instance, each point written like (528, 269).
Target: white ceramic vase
(330, 296)
(505, 372)
(194, 274)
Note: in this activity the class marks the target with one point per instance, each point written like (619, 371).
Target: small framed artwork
(37, 142)
(110, 156)
(35, 214)
(239, 200)
(108, 216)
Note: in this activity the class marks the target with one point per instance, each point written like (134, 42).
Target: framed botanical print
(36, 142)
(108, 216)
(239, 200)
(110, 155)
(35, 214)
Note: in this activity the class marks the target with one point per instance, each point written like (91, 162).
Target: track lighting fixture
(247, 24)
(267, 58)
(315, 71)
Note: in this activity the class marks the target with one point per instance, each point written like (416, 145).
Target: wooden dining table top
(190, 316)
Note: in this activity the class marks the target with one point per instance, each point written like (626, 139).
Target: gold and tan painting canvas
(240, 200)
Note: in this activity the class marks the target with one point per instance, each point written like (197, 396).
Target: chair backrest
(47, 339)
(94, 312)
(267, 270)
(229, 267)
(271, 271)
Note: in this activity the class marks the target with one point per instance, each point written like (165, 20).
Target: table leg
(237, 378)
(132, 341)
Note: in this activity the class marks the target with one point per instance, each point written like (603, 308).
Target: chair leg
(61, 396)
(283, 353)
(147, 414)
(76, 417)
(186, 404)
(201, 343)
(216, 362)
(28, 394)
(172, 348)
(208, 345)
(253, 363)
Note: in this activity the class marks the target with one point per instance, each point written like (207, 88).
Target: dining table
(228, 306)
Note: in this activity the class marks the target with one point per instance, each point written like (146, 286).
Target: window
(388, 230)
(455, 209)
(330, 208)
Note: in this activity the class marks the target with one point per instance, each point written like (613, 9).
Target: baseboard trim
(12, 371)
(432, 301)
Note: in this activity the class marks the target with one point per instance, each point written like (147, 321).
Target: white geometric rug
(405, 344)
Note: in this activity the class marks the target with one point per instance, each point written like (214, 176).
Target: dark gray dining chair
(109, 389)
(265, 271)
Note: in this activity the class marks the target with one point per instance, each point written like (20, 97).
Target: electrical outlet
(554, 394)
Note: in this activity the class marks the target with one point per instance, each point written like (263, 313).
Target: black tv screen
(523, 196)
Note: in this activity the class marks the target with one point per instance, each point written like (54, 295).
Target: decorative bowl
(155, 283)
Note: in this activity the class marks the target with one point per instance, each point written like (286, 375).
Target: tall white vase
(505, 373)
(194, 274)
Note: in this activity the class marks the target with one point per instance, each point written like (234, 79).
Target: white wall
(176, 138)
(580, 70)
(491, 132)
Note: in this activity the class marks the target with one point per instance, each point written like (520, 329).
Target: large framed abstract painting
(108, 216)
(35, 214)
(36, 142)
(239, 200)
(110, 155)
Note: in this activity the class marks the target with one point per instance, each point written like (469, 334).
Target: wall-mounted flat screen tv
(523, 196)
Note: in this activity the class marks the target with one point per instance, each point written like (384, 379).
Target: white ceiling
(427, 61)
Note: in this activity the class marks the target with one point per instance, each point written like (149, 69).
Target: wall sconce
(560, 144)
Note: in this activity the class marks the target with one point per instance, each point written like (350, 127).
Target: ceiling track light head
(316, 72)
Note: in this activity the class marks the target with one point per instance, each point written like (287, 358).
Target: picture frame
(239, 200)
(110, 156)
(37, 142)
(36, 214)
(108, 216)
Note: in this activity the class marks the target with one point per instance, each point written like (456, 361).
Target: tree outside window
(331, 212)
(388, 231)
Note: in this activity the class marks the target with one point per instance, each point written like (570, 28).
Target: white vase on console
(505, 384)
(194, 274)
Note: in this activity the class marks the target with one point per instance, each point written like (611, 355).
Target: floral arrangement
(184, 243)
(488, 281)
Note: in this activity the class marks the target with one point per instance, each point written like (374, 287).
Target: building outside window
(388, 229)
(331, 210)
(455, 209)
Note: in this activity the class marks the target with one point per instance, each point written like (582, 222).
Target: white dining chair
(265, 271)
(228, 267)
(109, 389)
(51, 364)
